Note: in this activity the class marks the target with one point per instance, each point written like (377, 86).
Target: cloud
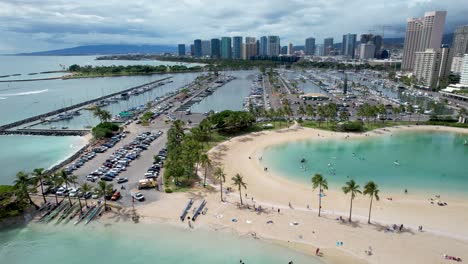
(31, 25)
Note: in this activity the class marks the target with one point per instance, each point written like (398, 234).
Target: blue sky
(35, 25)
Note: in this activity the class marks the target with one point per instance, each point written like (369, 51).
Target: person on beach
(317, 251)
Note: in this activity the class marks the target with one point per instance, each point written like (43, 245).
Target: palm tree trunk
(69, 199)
(320, 199)
(56, 199)
(31, 202)
(81, 207)
(42, 191)
(86, 203)
(221, 183)
(204, 178)
(240, 195)
(370, 209)
(351, 208)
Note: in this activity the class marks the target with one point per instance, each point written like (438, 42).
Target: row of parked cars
(80, 162)
(118, 162)
(154, 170)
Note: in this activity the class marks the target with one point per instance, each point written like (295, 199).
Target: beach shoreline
(274, 190)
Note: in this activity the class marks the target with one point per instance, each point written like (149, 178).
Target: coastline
(413, 210)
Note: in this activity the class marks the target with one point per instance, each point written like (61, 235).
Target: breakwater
(45, 132)
(72, 107)
(68, 160)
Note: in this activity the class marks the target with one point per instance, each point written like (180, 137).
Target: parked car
(122, 180)
(138, 196)
(115, 196)
(87, 195)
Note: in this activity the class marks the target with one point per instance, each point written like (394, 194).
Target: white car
(138, 196)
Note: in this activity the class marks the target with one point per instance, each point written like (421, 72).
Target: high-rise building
(215, 48)
(457, 63)
(206, 48)
(319, 50)
(421, 34)
(290, 49)
(460, 41)
(250, 48)
(237, 48)
(378, 41)
(258, 47)
(366, 51)
(263, 46)
(327, 46)
(192, 49)
(284, 50)
(197, 48)
(431, 65)
(365, 38)
(226, 49)
(309, 46)
(348, 46)
(181, 49)
(464, 71)
(273, 48)
(460, 47)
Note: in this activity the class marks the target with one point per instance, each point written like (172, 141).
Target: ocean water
(137, 244)
(29, 152)
(24, 65)
(423, 162)
(21, 100)
(230, 96)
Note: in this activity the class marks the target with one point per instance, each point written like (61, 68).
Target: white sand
(446, 228)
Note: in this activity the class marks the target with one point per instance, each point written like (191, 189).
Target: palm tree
(239, 182)
(86, 187)
(103, 115)
(104, 189)
(221, 176)
(22, 183)
(371, 189)
(319, 181)
(353, 188)
(66, 179)
(206, 163)
(56, 181)
(40, 176)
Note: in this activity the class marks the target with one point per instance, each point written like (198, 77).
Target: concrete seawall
(68, 108)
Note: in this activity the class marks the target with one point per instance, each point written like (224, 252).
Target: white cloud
(27, 25)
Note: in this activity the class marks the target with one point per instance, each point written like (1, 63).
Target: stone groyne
(72, 107)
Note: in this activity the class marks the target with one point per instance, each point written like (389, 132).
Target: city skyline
(53, 24)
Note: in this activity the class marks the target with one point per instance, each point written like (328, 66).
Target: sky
(37, 25)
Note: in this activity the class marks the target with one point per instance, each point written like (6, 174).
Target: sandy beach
(445, 229)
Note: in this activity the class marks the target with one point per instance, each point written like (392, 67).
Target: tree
(322, 113)
(301, 111)
(420, 112)
(372, 190)
(104, 189)
(206, 163)
(21, 186)
(462, 112)
(221, 176)
(102, 115)
(353, 188)
(396, 112)
(319, 181)
(310, 111)
(67, 179)
(410, 110)
(344, 116)
(40, 176)
(86, 187)
(56, 181)
(239, 182)
(382, 112)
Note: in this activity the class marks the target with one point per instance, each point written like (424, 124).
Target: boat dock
(9, 129)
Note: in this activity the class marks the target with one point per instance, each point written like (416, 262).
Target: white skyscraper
(366, 51)
(421, 34)
(464, 71)
(431, 66)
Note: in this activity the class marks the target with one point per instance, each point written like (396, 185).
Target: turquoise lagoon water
(137, 244)
(428, 161)
(28, 152)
